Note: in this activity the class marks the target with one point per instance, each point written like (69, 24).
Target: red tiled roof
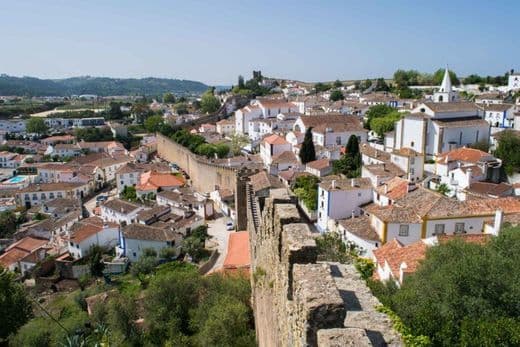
(469, 155)
(238, 255)
(275, 140)
(28, 244)
(319, 164)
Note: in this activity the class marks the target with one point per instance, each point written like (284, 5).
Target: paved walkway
(220, 236)
(361, 307)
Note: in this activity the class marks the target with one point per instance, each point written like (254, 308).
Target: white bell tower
(445, 92)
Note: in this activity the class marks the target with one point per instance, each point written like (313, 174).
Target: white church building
(446, 123)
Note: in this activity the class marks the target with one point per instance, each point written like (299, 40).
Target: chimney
(386, 188)
(468, 176)
(333, 184)
(352, 182)
(122, 210)
(499, 219)
(353, 214)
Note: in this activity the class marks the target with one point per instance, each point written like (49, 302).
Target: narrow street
(219, 237)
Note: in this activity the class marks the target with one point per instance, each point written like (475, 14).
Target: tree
(508, 149)
(336, 95)
(330, 247)
(8, 222)
(443, 189)
(114, 111)
(129, 193)
(352, 147)
(378, 111)
(95, 256)
(168, 253)
(465, 294)
(439, 75)
(154, 123)
(241, 82)
(238, 141)
(385, 124)
(224, 323)
(222, 150)
(337, 84)
(209, 103)
(321, 87)
(306, 189)
(381, 85)
(169, 98)
(14, 304)
(307, 151)
(181, 108)
(350, 163)
(36, 125)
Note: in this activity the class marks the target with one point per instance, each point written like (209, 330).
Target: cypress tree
(352, 147)
(307, 152)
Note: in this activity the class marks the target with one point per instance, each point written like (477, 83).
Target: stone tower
(445, 92)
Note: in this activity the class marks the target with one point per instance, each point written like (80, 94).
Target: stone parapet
(299, 302)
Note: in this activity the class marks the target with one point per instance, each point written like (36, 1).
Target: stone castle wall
(204, 175)
(297, 301)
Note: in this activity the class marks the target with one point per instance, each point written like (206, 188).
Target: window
(459, 228)
(71, 244)
(412, 144)
(338, 140)
(404, 230)
(439, 229)
(412, 160)
(135, 255)
(359, 195)
(412, 171)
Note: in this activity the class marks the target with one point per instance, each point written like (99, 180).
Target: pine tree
(307, 152)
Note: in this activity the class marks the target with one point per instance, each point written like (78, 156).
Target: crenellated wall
(299, 302)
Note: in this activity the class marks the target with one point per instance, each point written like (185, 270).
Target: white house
(271, 146)
(36, 194)
(261, 108)
(461, 167)
(135, 238)
(119, 211)
(514, 81)
(499, 115)
(341, 198)
(411, 162)
(225, 127)
(359, 232)
(331, 130)
(89, 232)
(422, 213)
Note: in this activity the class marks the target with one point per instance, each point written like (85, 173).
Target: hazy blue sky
(214, 41)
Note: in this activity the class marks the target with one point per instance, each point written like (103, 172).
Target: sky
(214, 41)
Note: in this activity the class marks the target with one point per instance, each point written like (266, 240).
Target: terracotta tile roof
(275, 140)
(155, 180)
(336, 123)
(51, 187)
(319, 164)
(490, 189)
(406, 152)
(394, 253)
(145, 232)
(385, 170)
(87, 227)
(374, 153)
(263, 180)
(120, 206)
(464, 154)
(360, 226)
(330, 183)
(238, 255)
(461, 122)
(451, 106)
(13, 256)
(495, 107)
(396, 188)
(471, 238)
(28, 244)
(285, 157)
(276, 103)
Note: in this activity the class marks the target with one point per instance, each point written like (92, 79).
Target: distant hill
(102, 86)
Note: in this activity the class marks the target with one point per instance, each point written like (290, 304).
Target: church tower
(445, 92)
